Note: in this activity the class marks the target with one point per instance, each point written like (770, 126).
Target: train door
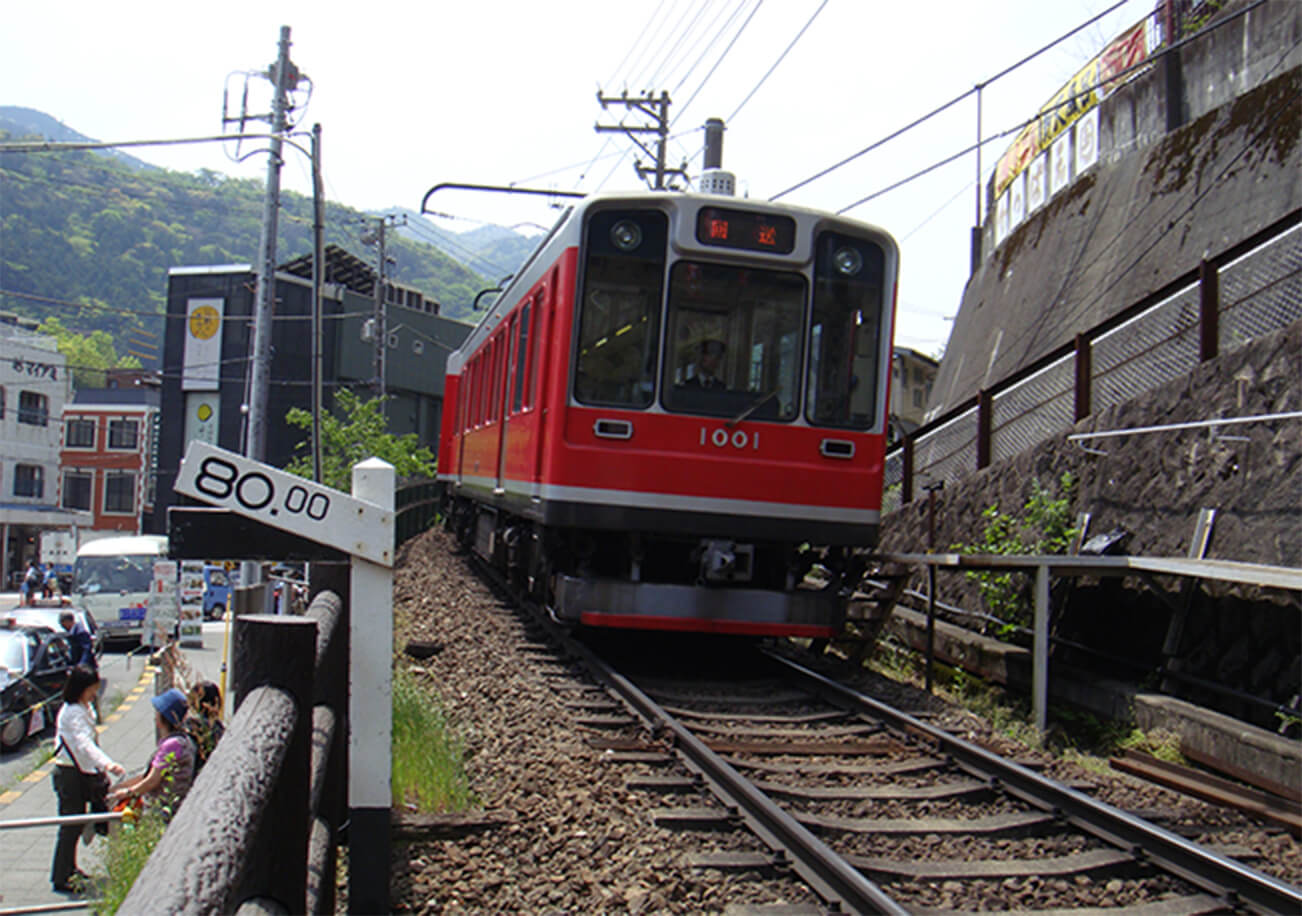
(503, 403)
(543, 318)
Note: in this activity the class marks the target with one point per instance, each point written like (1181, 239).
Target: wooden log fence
(257, 831)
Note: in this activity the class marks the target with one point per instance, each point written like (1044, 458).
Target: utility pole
(378, 238)
(285, 77)
(657, 109)
(318, 282)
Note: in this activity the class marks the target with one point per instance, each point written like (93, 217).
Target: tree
(88, 354)
(356, 432)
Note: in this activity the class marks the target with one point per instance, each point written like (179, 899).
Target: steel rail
(1232, 881)
(830, 875)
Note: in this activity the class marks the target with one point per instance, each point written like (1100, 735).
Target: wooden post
(370, 710)
(1209, 310)
(274, 650)
(985, 409)
(1084, 377)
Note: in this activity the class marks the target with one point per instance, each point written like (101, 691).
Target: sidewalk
(127, 735)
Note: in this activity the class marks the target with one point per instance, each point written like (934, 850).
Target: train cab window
(521, 351)
(845, 333)
(619, 322)
(733, 341)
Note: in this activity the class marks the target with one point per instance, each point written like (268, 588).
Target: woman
(78, 762)
(204, 723)
(171, 769)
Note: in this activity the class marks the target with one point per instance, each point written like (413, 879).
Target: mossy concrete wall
(1154, 206)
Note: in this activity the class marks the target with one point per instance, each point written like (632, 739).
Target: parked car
(216, 592)
(34, 663)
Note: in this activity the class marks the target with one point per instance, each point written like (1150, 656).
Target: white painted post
(1040, 650)
(370, 710)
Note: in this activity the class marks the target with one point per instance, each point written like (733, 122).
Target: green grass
(428, 759)
(128, 848)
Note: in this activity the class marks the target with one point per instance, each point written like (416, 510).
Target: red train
(676, 408)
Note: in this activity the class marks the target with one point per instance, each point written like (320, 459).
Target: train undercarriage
(663, 581)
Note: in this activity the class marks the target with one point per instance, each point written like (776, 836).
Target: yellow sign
(205, 322)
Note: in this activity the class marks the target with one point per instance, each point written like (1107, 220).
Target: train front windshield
(733, 341)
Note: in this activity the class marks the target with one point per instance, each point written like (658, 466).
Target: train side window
(502, 352)
(521, 350)
(619, 320)
(471, 385)
(480, 398)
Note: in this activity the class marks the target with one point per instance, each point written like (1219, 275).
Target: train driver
(709, 366)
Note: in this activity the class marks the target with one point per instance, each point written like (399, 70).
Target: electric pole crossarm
(657, 109)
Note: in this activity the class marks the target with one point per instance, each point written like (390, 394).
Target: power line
(947, 105)
(655, 15)
(659, 71)
(781, 57)
(65, 303)
(722, 58)
(741, 5)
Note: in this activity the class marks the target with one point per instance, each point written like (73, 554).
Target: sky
(505, 92)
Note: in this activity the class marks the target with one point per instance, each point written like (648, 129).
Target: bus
(111, 581)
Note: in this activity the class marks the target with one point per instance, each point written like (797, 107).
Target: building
(109, 455)
(912, 375)
(35, 384)
(208, 341)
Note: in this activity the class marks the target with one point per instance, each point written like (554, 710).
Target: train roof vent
(717, 181)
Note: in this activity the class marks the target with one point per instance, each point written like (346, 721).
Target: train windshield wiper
(752, 408)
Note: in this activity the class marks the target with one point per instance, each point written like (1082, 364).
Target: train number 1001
(255, 491)
(738, 439)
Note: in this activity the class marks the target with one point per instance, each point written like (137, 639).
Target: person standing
(83, 648)
(31, 583)
(79, 761)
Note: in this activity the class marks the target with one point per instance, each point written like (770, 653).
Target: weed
(428, 759)
(1045, 527)
(127, 850)
(1160, 743)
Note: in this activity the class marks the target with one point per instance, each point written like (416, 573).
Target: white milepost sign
(273, 497)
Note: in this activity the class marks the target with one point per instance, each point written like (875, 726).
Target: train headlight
(626, 235)
(848, 261)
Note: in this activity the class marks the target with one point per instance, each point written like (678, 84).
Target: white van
(111, 581)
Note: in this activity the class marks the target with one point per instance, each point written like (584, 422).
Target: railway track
(872, 808)
(880, 811)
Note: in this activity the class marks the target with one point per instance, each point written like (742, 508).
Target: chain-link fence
(1259, 292)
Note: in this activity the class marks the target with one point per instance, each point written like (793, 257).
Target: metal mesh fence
(1261, 292)
(1147, 351)
(1033, 409)
(948, 452)
(892, 481)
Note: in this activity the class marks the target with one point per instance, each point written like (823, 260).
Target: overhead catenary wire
(946, 105)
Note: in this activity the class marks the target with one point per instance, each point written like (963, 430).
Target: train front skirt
(734, 611)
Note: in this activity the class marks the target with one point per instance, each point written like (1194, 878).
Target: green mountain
(90, 238)
(493, 251)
